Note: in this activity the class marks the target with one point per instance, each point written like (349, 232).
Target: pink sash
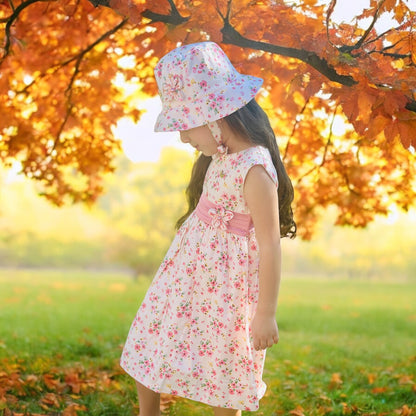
(218, 216)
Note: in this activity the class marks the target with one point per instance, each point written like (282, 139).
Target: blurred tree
(132, 225)
(64, 66)
(35, 233)
(141, 212)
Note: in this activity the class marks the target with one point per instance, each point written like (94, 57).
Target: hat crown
(198, 84)
(197, 69)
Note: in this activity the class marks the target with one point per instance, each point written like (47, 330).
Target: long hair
(252, 123)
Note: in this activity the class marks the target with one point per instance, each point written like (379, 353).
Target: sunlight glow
(13, 174)
(27, 79)
(340, 126)
(393, 215)
(127, 62)
(139, 141)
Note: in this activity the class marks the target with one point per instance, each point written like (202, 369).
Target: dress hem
(189, 397)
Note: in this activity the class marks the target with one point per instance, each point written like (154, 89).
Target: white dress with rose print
(191, 336)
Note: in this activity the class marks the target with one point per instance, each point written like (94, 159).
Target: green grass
(346, 347)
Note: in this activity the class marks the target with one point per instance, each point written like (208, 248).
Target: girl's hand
(264, 331)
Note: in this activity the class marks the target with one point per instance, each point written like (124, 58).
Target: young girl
(203, 327)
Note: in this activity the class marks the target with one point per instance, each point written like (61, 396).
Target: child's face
(201, 139)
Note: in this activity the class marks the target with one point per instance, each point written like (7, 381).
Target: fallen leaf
(73, 381)
(348, 409)
(298, 411)
(406, 379)
(166, 401)
(378, 390)
(324, 398)
(50, 381)
(405, 410)
(324, 410)
(371, 378)
(72, 409)
(335, 381)
(50, 400)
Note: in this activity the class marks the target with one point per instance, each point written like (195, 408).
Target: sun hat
(198, 85)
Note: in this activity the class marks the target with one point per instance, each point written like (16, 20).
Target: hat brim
(186, 114)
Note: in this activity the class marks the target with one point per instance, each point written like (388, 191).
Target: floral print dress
(191, 336)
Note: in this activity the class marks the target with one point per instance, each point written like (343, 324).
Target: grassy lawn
(347, 347)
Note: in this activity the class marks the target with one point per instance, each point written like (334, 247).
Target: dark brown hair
(252, 123)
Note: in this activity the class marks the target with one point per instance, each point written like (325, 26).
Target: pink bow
(220, 217)
(172, 88)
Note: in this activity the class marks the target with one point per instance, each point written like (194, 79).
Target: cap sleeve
(258, 155)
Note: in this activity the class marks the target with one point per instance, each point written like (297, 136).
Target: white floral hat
(198, 85)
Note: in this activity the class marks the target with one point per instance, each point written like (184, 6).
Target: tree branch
(96, 3)
(392, 55)
(328, 16)
(12, 5)
(78, 58)
(172, 18)
(370, 28)
(411, 105)
(231, 36)
(350, 48)
(327, 144)
(295, 125)
(9, 22)
(381, 35)
(95, 43)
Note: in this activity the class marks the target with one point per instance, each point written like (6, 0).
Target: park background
(72, 278)
(130, 227)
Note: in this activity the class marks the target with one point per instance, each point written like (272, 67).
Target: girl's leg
(149, 401)
(219, 411)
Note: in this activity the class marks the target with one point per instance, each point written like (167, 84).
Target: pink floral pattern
(191, 336)
(199, 85)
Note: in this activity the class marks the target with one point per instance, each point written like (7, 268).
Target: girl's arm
(261, 197)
